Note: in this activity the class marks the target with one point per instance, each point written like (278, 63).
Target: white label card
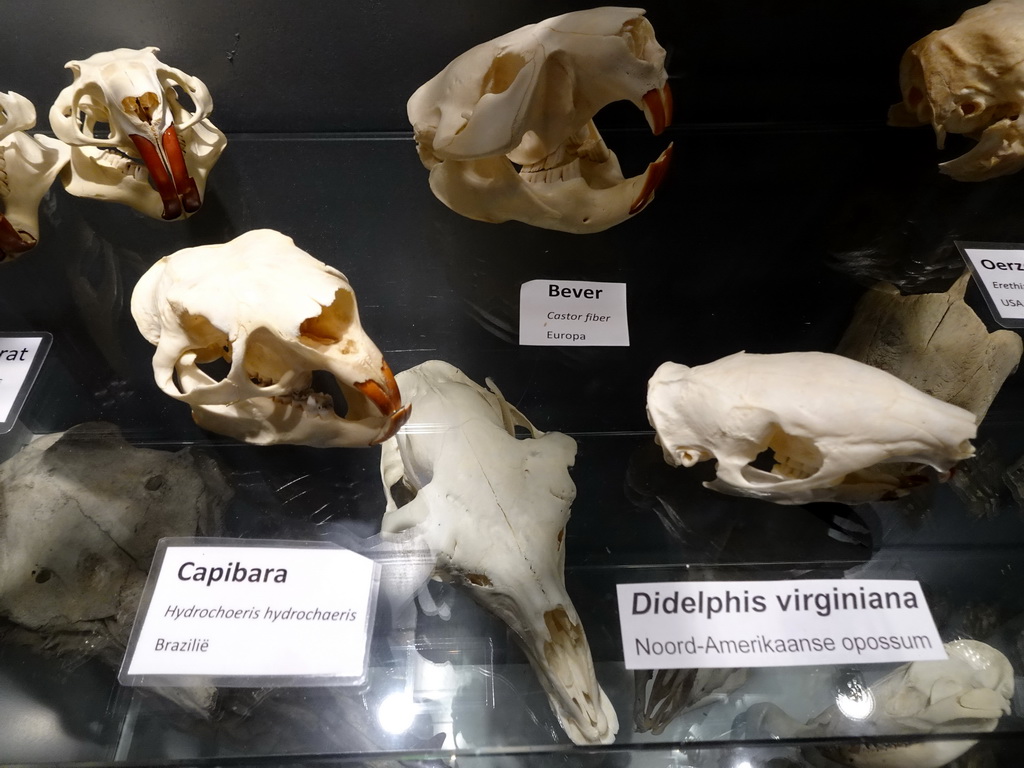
(253, 613)
(21, 356)
(686, 625)
(573, 313)
(999, 272)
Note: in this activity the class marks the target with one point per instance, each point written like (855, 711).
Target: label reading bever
(573, 313)
(999, 272)
(686, 625)
(21, 357)
(253, 613)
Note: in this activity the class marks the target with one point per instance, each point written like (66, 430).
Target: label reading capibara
(21, 357)
(999, 271)
(253, 613)
(686, 625)
(573, 313)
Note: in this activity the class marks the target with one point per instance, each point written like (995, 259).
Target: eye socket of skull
(332, 324)
(268, 362)
(638, 34)
(503, 72)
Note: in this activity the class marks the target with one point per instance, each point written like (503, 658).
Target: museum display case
(788, 200)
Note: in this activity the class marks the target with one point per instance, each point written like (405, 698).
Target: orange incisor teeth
(13, 242)
(158, 173)
(388, 400)
(183, 183)
(659, 106)
(652, 180)
(169, 173)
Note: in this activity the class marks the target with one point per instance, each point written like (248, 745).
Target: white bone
(274, 315)
(966, 693)
(28, 166)
(493, 510)
(149, 136)
(969, 79)
(528, 98)
(835, 426)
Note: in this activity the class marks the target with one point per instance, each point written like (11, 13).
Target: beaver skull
(969, 79)
(800, 427)
(272, 315)
(506, 128)
(133, 140)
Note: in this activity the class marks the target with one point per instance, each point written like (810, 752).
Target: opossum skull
(272, 315)
(969, 79)
(804, 426)
(966, 693)
(28, 166)
(133, 140)
(506, 128)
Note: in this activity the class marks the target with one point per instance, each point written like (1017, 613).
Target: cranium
(824, 428)
(493, 510)
(966, 693)
(28, 166)
(969, 79)
(527, 99)
(275, 315)
(154, 154)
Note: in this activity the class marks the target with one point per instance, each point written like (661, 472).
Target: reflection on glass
(855, 699)
(396, 713)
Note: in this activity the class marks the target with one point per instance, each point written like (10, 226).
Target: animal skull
(969, 79)
(275, 315)
(154, 154)
(28, 166)
(835, 427)
(527, 99)
(966, 693)
(493, 510)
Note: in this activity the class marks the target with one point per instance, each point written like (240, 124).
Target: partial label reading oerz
(999, 272)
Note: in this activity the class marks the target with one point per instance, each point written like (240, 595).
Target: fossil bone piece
(133, 141)
(832, 426)
(527, 99)
(275, 315)
(493, 510)
(966, 693)
(935, 342)
(969, 79)
(28, 166)
(81, 513)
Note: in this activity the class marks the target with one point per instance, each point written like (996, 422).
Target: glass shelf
(762, 239)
